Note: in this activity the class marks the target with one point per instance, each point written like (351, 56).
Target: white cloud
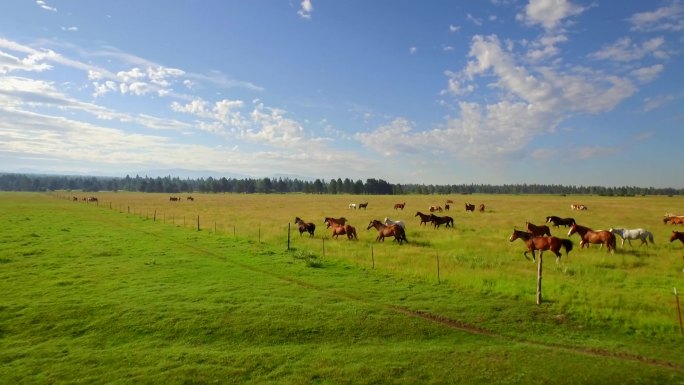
(46, 7)
(667, 18)
(647, 74)
(305, 10)
(624, 50)
(70, 29)
(454, 28)
(549, 13)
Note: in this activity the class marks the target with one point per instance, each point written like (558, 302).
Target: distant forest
(175, 185)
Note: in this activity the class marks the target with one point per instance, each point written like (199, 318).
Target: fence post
(438, 280)
(539, 280)
(154, 218)
(679, 312)
(288, 236)
(372, 257)
(198, 226)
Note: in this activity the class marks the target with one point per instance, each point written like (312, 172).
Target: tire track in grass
(427, 316)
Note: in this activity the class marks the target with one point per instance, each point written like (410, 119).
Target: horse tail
(650, 237)
(567, 244)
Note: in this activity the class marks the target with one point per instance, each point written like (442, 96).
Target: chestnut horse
(537, 231)
(469, 207)
(482, 207)
(678, 220)
(399, 206)
(349, 230)
(557, 221)
(305, 227)
(337, 221)
(438, 221)
(542, 244)
(590, 236)
(677, 235)
(395, 231)
(424, 218)
(435, 208)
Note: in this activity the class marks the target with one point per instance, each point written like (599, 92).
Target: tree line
(372, 186)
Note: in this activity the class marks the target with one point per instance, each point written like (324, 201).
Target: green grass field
(128, 291)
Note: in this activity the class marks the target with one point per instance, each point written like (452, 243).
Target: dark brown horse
(558, 221)
(363, 205)
(482, 207)
(590, 236)
(424, 218)
(337, 221)
(399, 206)
(469, 207)
(677, 235)
(305, 227)
(395, 231)
(537, 231)
(348, 230)
(190, 198)
(542, 244)
(438, 221)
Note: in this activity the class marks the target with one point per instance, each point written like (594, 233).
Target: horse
(537, 231)
(75, 199)
(424, 218)
(348, 230)
(190, 198)
(399, 206)
(469, 207)
(395, 231)
(174, 199)
(590, 236)
(363, 205)
(438, 221)
(482, 207)
(449, 201)
(677, 235)
(678, 220)
(352, 205)
(435, 208)
(92, 199)
(576, 206)
(305, 227)
(542, 244)
(557, 221)
(446, 207)
(630, 234)
(338, 221)
(388, 221)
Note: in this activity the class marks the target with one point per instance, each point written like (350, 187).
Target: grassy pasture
(104, 296)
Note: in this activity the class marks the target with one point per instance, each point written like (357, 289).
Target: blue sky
(435, 92)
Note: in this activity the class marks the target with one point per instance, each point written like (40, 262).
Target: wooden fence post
(679, 312)
(198, 226)
(372, 257)
(288, 236)
(539, 280)
(438, 280)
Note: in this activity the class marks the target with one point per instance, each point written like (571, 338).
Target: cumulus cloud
(305, 9)
(549, 13)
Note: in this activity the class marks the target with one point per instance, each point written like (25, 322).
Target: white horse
(352, 205)
(398, 223)
(630, 234)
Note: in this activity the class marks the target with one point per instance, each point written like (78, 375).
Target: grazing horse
(557, 221)
(449, 201)
(576, 206)
(352, 205)
(305, 227)
(542, 244)
(469, 207)
(349, 230)
(630, 234)
(174, 199)
(674, 220)
(92, 199)
(590, 236)
(677, 235)
(395, 231)
(435, 208)
(190, 198)
(438, 221)
(363, 205)
(388, 221)
(334, 221)
(75, 199)
(537, 231)
(399, 206)
(482, 207)
(424, 218)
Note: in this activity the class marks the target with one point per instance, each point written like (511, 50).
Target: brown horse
(399, 206)
(557, 221)
(678, 220)
(348, 230)
(395, 231)
(469, 207)
(542, 244)
(677, 235)
(190, 198)
(424, 218)
(590, 236)
(438, 221)
(305, 227)
(537, 231)
(337, 221)
(482, 207)
(435, 208)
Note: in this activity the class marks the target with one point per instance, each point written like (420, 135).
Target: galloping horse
(399, 206)
(542, 244)
(349, 230)
(305, 227)
(677, 235)
(469, 207)
(363, 205)
(557, 221)
(438, 221)
(395, 231)
(630, 234)
(388, 221)
(435, 208)
(482, 207)
(590, 236)
(537, 231)
(337, 221)
(424, 218)
(674, 220)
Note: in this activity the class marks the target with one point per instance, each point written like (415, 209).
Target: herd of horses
(178, 199)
